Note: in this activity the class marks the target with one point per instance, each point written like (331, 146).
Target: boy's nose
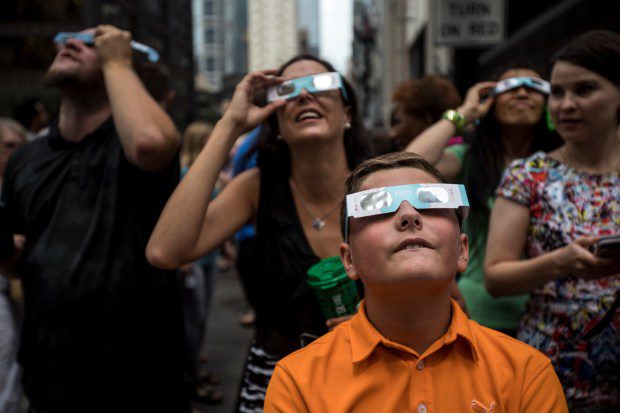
(407, 217)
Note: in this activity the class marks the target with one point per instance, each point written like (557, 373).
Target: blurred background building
(27, 28)
(220, 52)
(220, 43)
(308, 26)
(232, 37)
(396, 40)
(272, 32)
(209, 45)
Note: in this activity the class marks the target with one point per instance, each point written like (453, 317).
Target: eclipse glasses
(318, 83)
(89, 39)
(533, 83)
(387, 199)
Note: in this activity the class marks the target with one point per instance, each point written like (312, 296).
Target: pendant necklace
(318, 223)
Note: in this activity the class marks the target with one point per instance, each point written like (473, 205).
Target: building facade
(308, 26)
(273, 35)
(396, 40)
(220, 42)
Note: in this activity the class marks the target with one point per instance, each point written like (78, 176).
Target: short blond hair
(395, 160)
(194, 139)
(11, 124)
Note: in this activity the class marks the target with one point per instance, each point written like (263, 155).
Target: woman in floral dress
(551, 210)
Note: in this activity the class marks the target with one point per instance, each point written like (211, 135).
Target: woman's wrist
(556, 264)
(468, 113)
(230, 127)
(456, 118)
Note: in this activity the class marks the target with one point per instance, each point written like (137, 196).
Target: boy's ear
(347, 261)
(463, 253)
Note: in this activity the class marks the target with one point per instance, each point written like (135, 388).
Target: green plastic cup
(336, 292)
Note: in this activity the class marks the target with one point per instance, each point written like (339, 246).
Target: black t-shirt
(100, 323)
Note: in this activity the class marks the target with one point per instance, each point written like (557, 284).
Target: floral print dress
(575, 322)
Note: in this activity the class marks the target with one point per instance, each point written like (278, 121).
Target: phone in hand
(608, 247)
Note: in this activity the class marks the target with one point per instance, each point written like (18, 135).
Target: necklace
(318, 223)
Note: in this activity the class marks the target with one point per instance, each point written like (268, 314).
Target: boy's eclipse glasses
(533, 83)
(89, 39)
(387, 200)
(318, 83)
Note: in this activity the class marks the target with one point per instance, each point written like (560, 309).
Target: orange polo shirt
(470, 369)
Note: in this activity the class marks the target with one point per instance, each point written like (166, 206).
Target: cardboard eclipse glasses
(89, 39)
(387, 200)
(533, 83)
(318, 83)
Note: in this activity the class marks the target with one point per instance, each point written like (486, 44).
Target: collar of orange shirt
(365, 338)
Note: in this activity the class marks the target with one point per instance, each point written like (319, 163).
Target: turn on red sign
(470, 22)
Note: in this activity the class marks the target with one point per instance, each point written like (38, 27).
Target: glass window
(209, 36)
(210, 64)
(208, 7)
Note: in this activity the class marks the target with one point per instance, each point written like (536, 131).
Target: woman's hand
(477, 102)
(242, 112)
(577, 260)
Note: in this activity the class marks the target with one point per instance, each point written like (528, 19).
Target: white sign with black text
(470, 22)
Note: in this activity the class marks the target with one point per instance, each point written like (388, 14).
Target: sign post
(468, 23)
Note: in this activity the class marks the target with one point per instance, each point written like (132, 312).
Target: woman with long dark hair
(511, 123)
(312, 141)
(551, 211)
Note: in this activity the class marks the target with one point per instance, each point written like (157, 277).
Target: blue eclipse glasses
(533, 83)
(89, 39)
(387, 200)
(318, 83)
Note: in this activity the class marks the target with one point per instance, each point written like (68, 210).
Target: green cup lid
(327, 272)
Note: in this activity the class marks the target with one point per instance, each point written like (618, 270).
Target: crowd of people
(494, 296)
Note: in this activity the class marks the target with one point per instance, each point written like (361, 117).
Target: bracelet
(456, 118)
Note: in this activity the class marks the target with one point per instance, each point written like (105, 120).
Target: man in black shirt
(102, 328)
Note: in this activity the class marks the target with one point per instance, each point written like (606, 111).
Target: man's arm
(283, 395)
(147, 134)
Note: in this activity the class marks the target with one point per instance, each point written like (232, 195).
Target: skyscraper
(272, 32)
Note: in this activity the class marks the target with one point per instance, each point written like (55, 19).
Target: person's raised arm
(190, 224)
(431, 142)
(507, 274)
(147, 134)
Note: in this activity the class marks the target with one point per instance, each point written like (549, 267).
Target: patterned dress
(575, 322)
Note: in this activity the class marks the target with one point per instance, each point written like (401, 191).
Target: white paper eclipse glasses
(533, 83)
(321, 82)
(387, 199)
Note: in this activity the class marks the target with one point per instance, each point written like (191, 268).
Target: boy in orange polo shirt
(410, 348)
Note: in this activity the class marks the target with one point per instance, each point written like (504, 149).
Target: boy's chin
(417, 280)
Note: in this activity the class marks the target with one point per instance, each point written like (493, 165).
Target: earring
(279, 137)
(347, 125)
